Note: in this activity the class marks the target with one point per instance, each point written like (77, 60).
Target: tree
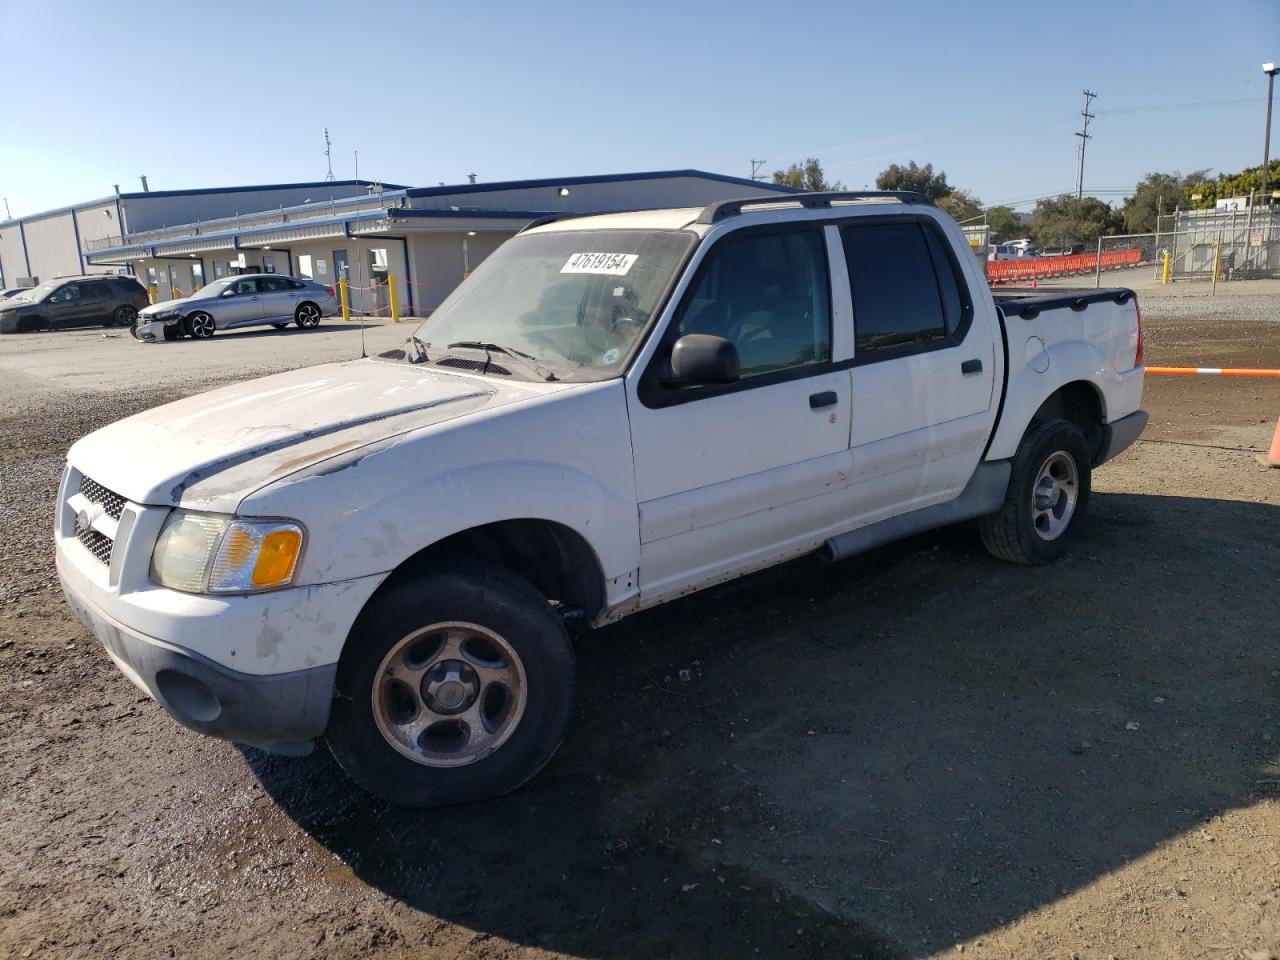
(1240, 184)
(962, 206)
(1158, 193)
(806, 177)
(1005, 224)
(1062, 221)
(912, 177)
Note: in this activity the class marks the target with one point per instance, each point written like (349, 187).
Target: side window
(245, 288)
(274, 285)
(297, 284)
(898, 300)
(767, 293)
(96, 291)
(66, 294)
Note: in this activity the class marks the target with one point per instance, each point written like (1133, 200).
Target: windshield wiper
(525, 360)
(419, 353)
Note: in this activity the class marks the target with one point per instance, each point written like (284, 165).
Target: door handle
(971, 366)
(827, 398)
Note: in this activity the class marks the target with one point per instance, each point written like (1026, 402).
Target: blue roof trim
(393, 213)
(595, 178)
(205, 191)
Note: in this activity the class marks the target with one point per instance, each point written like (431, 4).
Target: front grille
(112, 503)
(95, 543)
(480, 366)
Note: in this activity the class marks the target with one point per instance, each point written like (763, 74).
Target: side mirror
(229, 292)
(700, 358)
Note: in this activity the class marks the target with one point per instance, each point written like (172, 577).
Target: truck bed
(1028, 303)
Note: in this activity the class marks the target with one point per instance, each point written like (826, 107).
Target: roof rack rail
(549, 218)
(721, 209)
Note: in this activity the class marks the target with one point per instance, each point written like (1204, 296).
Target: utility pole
(755, 169)
(1083, 134)
(327, 157)
(1270, 70)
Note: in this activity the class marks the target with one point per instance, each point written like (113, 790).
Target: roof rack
(715, 212)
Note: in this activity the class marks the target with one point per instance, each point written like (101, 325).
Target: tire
(1047, 498)
(200, 326)
(440, 626)
(280, 326)
(124, 316)
(307, 316)
(171, 333)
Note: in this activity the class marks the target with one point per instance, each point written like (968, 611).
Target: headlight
(212, 553)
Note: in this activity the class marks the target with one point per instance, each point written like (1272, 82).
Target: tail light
(1138, 354)
(329, 290)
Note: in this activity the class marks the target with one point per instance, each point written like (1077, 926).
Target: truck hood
(215, 447)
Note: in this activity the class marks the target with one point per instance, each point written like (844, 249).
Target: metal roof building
(428, 238)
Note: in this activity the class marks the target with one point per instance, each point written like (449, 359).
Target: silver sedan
(244, 301)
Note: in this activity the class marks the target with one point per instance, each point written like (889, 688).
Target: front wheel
(1047, 496)
(307, 316)
(200, 325)
(453, 687)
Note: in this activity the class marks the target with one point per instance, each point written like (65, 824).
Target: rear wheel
(454, 687)
(200, 325)
(124, 316)
(307, 316)
(1047, 496)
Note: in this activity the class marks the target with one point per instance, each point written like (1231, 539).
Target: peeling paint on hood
(292, 419)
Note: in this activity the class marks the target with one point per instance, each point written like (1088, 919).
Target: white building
(428, 238)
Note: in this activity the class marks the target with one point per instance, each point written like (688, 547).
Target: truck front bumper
(282, 712)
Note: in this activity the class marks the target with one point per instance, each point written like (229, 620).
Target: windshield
(37, 294)
(212, 289)
(574, 301)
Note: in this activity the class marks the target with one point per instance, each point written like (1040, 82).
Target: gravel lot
(913, 751)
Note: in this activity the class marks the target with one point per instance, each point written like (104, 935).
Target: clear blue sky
(96, 93)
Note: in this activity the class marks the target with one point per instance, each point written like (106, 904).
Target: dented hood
(247, 434)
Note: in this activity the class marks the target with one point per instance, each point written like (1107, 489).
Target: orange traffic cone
(1034, 285)
(1272, 458)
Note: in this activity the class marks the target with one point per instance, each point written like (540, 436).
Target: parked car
(74, 302)
(244, 301)
(8, 292)
(1009, 251)
(392, 552)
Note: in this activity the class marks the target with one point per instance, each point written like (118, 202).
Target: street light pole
(1270, 70)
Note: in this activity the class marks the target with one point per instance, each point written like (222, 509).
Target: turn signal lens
(277, 557)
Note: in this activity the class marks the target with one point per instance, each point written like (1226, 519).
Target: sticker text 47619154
(610, 264)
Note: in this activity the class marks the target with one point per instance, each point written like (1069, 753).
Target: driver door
(66, 307)
(243, 305)
(738, 476)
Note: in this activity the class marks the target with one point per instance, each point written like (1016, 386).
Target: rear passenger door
(97, 301)
(279, 298)
(923, 370)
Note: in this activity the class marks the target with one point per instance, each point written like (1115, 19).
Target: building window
(197, 275)
(268, 263)
(219, 269)
(304, 265)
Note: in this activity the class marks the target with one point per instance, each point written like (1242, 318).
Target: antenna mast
(755, 169)
(328, 159)
(1083, 134)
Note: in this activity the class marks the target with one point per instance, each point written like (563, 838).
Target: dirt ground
(915, 752)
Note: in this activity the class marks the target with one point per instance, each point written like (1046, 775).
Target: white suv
(612, 411)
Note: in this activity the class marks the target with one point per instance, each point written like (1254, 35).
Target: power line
(1083, 134)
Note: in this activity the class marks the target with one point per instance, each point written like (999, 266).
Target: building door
(341, 269)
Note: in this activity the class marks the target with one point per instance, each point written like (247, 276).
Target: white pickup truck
(392, 552)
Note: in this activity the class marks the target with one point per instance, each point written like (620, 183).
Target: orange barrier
(1041, 267)
(1212, 372)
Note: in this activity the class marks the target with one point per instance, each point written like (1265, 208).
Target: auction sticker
(610, 264)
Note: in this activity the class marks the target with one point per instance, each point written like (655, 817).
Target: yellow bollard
(395, 301)
(177, 294)
(343, 296)
(1217, 266)
(151, 292)
(1168, 262)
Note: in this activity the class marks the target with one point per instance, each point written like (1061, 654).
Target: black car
(74, 302)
